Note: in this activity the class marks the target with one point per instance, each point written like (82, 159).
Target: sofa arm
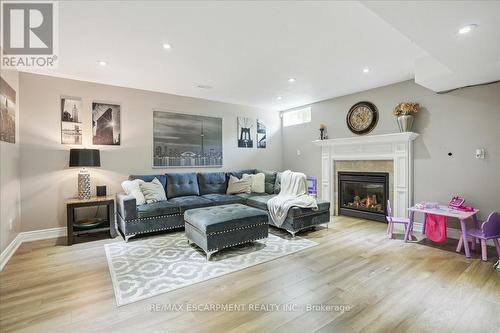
(126, 206)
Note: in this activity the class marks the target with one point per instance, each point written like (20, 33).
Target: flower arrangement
(406, 108)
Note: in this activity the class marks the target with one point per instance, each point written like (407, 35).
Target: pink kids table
(445, 211)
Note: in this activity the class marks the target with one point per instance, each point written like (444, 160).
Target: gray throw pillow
(153, 191)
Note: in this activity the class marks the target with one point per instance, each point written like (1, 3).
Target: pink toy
(458, 203)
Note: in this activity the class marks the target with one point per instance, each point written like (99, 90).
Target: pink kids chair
(490, 229)
(401, 220)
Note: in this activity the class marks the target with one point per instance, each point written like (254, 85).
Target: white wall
(45, 179)
(10, 207)
(457, 122)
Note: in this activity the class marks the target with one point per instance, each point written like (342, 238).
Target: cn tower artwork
(185, 140)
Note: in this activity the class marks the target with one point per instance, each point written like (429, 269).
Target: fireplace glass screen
(363, 194)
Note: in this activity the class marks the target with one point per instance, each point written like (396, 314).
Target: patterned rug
(151, 266)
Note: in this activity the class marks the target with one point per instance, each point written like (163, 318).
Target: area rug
(148, 267)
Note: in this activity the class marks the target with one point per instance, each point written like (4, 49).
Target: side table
(74, 228)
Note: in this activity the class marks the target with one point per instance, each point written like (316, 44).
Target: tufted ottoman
(217, 227)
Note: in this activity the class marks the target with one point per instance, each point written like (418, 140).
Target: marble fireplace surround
(396, 148)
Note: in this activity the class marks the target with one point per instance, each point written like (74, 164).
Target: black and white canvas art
(246, 127)
(71, 126)
(184, 140)
(106, 124)
(261, 134)
(7, 112)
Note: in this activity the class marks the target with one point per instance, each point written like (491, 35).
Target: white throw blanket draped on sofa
(293, 194)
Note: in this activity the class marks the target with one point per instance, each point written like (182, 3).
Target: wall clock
(362, 117)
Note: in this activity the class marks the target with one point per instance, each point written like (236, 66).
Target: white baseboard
(29, 236)
(9, 251)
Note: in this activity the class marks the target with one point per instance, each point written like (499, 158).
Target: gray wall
(10, 206)
(457, 122)
(46, 181)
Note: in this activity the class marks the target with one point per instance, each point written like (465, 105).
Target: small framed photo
(106, 129)
(71, 126)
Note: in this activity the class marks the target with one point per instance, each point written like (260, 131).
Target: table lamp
(84, 158)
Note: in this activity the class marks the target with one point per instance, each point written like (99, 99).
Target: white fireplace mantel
(397, 147)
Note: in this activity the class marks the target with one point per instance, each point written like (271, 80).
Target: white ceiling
(247, 50)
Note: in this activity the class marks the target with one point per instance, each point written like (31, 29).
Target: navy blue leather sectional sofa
(194, 190)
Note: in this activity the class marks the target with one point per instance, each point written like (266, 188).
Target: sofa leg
(209, 254)
(127, 237)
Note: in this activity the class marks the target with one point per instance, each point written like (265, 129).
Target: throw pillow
(132, 187)
(153, 191)
(243, 185)
(258, 182)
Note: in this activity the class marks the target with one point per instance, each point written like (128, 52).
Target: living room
(250, 166)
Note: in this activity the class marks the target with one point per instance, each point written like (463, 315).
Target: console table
(108, 225)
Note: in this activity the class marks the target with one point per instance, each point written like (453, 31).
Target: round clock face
(362, 117)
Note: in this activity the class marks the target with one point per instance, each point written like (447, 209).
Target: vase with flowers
(405, 115)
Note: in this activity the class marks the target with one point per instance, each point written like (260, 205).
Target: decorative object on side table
(101, 190)
(405, 114)
(84, 158)
(90, 225)
(362, 118)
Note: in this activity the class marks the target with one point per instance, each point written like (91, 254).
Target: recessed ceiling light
(102, 63)
(204, 86)
(366, 70)
(279, 98)
(467, 28)
(291, 80)
(167, 46)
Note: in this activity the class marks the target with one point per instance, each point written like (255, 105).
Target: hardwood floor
(389, 286)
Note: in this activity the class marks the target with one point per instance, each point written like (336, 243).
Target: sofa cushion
(149, 178)
(239, 174)
(297, 211)
(181, 184)
(189, 202)
(157, 209)
(212, 182)
(250, 195)
(260, 201)
(269, 181)
(223, 199)
(277, 184)
(223, 218)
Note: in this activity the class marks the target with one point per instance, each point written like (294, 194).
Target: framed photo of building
(71, 126)
(7, 112)
(245, 132)
(106, 129)
(185, 140)
(261, 134)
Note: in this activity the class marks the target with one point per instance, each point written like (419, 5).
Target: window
(297, 117)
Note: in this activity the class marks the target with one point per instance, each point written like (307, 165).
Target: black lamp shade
(84, 158)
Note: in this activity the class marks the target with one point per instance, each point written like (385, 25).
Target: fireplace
(363, 194)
